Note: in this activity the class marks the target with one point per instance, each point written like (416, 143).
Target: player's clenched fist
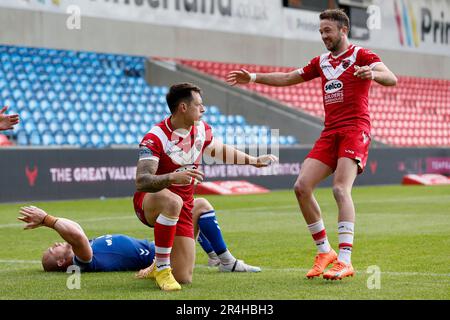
(186, 176)
(364, 73)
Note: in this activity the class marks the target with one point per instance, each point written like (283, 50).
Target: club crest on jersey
(333, 86)
(345, 64)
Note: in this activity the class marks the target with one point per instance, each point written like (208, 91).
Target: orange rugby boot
(339, 270)
(321, 261)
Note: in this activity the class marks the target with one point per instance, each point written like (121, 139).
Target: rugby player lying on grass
(116, 252)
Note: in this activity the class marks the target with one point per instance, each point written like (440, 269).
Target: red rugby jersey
(176, 150)
(345, 97)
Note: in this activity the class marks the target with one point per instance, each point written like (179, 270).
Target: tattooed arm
(148, 181)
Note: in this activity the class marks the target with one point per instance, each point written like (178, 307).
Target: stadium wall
(52, 174)
(46, 29)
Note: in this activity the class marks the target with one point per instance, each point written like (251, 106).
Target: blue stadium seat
(240, 140)
(239, 120)
(291, 140)
(66, 126)
(54, 126)
(107, 139)
(123, 128)
(230, 119)
(157, 118)
(22, 138)
(100, 127)
(213, 110)
(133, 128)
(83, 116)
(106, 117)
(49, 115)
(112, 128)
(42, 126)
(95, 117)
(148, 118)
(213, 120)
(33, 104)
(72, 139)
(96, 139)
(29, 126)
(127, 118)
(143, 129)
(72, 116)
(77, 126)
(222, 119)
(34, 138)
(25, 115)
(83, 138)
(131, 139)
(60, 115)
(118, 138)
(89, 126)
(48, 139)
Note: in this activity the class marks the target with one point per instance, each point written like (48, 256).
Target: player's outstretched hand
(32, 216)
(238, 77)
(265, 160)
(364, 73)
(185, 177)
(8, 121)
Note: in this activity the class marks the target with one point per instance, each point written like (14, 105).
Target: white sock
(319, 235)
(212, 255)
(345, 234)
(226, 257)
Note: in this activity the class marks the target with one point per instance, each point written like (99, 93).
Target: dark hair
(181, 92)
(337, 15)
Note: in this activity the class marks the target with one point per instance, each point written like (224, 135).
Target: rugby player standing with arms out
(347, 72)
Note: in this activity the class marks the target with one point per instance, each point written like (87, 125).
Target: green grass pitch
(404, 231)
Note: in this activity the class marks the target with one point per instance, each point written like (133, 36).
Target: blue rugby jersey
(118, 253)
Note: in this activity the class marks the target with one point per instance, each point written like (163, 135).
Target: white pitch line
(200, 266)
(251, 209)
(19, 261)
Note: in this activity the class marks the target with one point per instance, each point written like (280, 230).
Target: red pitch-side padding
(425, 179)
(229, 187)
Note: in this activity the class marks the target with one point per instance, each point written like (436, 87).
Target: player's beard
(334, 46)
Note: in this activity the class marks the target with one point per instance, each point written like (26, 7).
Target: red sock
(164, 229)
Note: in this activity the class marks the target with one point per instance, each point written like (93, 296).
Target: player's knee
(173, 205)
(302, 190)
(341, 192)
(202, 205)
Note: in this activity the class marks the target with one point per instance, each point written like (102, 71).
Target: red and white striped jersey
(345, 97)
(176, 150)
